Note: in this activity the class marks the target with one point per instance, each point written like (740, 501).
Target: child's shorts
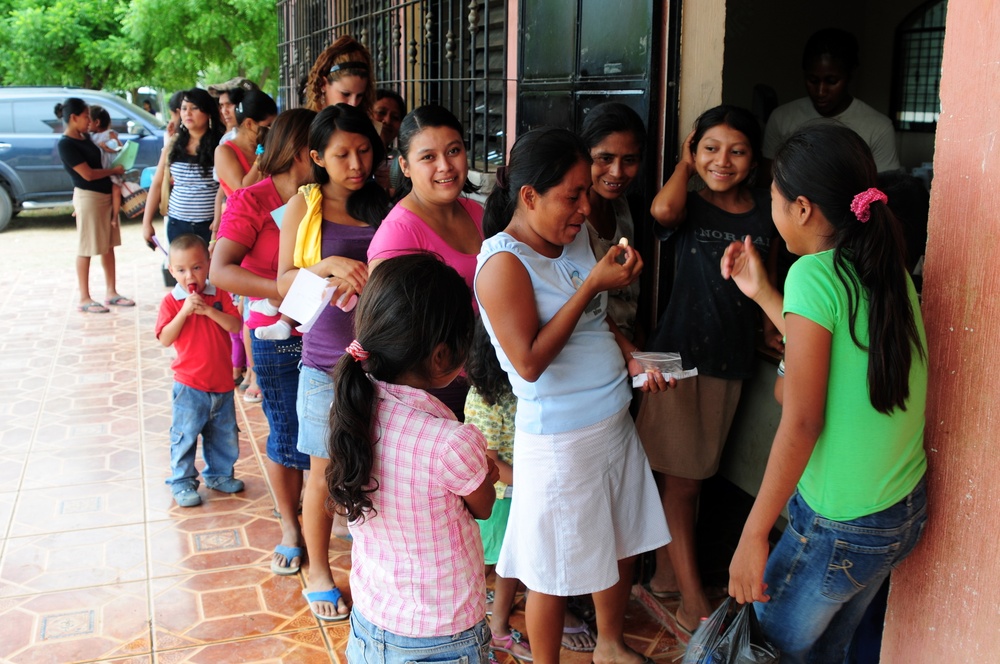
(493, 529)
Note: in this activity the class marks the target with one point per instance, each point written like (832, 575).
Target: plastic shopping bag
(731, 635)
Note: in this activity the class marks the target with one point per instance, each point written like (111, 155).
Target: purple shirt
(333, 331)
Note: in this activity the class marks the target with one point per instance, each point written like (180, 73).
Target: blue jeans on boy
(368, 644)
(213, 415)
(823, 574)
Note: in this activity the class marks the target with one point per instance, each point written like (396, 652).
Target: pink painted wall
(945, 600)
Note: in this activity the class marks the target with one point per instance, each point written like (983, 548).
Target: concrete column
(945, 600)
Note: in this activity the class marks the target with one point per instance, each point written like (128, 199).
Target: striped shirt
(417, 561)
(192, 197)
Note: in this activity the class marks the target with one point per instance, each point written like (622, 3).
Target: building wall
(943, 606)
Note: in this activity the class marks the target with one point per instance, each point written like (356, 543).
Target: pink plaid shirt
(418, 558)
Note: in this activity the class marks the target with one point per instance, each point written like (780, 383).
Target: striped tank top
(192, 197)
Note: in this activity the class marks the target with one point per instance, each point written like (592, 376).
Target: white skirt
(582, 501)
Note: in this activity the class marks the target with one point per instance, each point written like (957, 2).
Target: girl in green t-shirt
(848, 455)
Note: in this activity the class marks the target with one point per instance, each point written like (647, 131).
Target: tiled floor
(96, 561)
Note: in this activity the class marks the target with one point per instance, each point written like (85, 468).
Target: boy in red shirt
(196, 319)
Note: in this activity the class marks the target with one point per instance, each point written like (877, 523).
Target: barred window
(447, 52)
(916, 102)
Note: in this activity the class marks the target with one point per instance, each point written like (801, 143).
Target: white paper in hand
(306, 299)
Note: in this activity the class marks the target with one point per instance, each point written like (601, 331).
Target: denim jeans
(313, 405)
(368, 644)
(277, 366)
(178, 227)
(823, 574)
(213, 415)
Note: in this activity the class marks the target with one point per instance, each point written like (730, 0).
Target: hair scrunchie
(861, 205)
(502, 178)
(357, 352)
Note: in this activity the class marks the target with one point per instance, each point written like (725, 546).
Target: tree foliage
(125, 44)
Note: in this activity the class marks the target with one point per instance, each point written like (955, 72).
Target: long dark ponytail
(540, 158)
(830, 165)
(370, 203)
(410, 305)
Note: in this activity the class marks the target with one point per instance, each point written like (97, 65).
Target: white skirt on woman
(582, 501)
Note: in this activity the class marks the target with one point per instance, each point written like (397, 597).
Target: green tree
(190, 39)
(125, 44)
(66, 42)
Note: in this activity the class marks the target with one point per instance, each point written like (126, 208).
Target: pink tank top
(243, 162)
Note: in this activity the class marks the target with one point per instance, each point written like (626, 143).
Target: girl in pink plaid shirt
(407, 475)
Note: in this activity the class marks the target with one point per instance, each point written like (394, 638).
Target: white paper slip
(306, 299)
(641, 379)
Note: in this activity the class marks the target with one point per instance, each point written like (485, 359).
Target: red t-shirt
(247, 221)
(204, 359)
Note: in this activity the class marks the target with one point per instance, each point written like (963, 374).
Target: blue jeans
(178, 227)
(823, 574)
(213, 415)
(368, 644)
(277, 367)
(313, 406)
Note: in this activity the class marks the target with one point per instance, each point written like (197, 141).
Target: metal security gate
(448, 52)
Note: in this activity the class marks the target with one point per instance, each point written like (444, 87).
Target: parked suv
(31, 173)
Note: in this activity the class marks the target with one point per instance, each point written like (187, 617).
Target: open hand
(743, 265)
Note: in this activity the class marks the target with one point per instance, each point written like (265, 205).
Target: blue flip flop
(333, 596)
(290, 553)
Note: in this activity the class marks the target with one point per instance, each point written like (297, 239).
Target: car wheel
(6, 209)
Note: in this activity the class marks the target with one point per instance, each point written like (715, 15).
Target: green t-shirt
(864, 461)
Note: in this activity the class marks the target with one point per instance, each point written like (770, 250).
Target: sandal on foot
(253, 396)
(332, 596)
(290, 553)
(665, 595)
(682, 633)
(120, 301)
(513, 643)
(93, 308)
(583, 630)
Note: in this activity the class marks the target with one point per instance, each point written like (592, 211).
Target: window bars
(447, 52)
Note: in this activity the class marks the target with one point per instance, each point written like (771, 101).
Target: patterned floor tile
(160, 505)
(58, 509)
(12, 468)
(219, 605)
(7, 502)
(209, 542)
(305, 647)
(106, 622)
(74, 559)
(76, 464)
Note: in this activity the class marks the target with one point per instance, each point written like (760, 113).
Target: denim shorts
(315, 395)
(368, 644)
(277, 366)
(178, 227)
(823, 574)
